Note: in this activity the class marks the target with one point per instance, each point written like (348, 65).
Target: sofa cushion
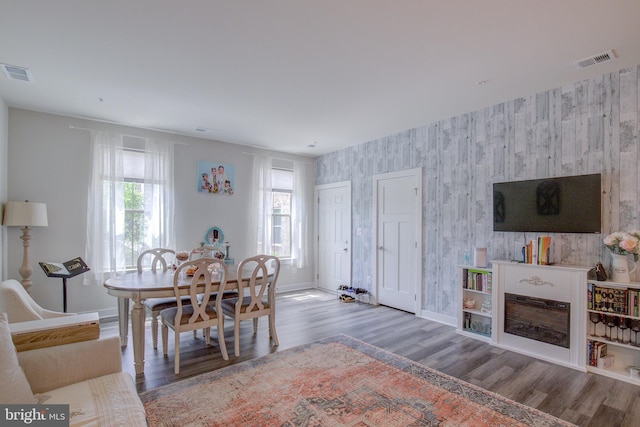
(14, 387)
(110, 400)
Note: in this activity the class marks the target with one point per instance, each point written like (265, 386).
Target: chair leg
(165, 338)
(221, 341)
(255, 325)
(154, 329)
(176, 368)
(236, 336)
(207, 335)
(272, 329)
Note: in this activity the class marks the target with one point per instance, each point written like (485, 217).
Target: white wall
(49, 163)
(4, 143)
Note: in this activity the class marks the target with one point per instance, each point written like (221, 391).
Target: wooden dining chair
(200, 312)
(156, 259)
(257, 297)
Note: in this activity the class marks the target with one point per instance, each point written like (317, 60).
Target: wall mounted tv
(569, 204)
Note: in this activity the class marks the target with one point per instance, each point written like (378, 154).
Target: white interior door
(398, 241)
(333, 231)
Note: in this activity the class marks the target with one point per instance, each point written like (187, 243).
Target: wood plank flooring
(584, 399)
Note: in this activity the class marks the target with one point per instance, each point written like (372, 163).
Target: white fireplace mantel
(565, 283)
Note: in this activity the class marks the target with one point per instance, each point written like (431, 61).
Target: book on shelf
(596, 352)
(477, 281)
(613, 300)
(70, 268)
(538, 251)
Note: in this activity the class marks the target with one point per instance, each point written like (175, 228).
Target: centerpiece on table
(622, 244)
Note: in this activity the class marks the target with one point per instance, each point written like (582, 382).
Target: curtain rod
(280, 158)
(123, 134)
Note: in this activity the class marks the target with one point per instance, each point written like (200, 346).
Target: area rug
(338, 381)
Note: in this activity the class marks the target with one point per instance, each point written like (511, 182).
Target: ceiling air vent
(596, 59)
(17, 73)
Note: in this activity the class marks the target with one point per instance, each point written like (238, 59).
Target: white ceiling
(283, 74)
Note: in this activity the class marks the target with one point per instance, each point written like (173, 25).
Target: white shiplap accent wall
(586, 127)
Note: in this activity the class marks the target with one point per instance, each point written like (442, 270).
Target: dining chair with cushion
(20, 307)
(157, 259)
(203, 278)
(257, 297)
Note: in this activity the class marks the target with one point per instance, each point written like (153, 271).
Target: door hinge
(416, 190)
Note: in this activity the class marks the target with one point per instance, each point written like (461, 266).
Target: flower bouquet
(624, 243)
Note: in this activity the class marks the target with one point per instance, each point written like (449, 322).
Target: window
(130, 202)
(134, 218)
(282, 181)
(280, 222)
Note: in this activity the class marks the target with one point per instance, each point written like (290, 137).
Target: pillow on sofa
(14, 387)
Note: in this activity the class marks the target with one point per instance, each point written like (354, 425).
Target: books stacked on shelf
(613, 300)
(598, 357)
(476, 280)
(537, 251)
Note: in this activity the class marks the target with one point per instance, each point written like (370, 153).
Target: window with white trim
(282, 190)
(134, 217)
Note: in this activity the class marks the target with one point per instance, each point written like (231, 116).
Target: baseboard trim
(440, 318)
(294, 287)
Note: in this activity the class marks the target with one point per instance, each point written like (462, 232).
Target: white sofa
(86, 375)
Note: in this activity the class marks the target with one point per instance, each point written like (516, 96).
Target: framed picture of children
(215, 178)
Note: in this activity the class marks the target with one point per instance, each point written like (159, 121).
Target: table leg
(123, 319)
(137, 335)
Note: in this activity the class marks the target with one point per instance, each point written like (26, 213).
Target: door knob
(380, 248)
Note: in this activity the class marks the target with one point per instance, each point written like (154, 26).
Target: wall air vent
(607, 56)
(17, 73)
(205, 130)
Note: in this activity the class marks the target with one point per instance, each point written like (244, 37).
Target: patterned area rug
(338, 381)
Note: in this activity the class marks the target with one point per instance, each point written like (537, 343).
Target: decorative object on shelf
(620, 268)
(469, 303)
(486, 307)
(226, 250)
(635, 328)
(214, 236)
(480, 257)
(25, 214)
(622, 244)
(598, 273)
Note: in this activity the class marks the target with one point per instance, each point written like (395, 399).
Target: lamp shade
(25, 214)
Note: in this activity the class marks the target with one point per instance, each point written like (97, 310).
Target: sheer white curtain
(260, 235)
(158, 194)
(105, 209)
(105, 251)
(299, 216)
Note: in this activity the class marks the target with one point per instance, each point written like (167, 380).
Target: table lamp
(25, 214)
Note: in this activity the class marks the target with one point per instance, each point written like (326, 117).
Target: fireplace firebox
(538, 319)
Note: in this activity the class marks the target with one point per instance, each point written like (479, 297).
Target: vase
(620, 268)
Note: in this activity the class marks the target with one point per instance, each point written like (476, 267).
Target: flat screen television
(571, 204)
